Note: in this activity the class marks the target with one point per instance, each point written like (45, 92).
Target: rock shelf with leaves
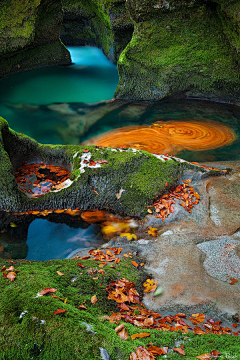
(123, 180)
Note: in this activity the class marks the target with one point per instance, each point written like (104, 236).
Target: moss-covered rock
(140, 175)
(181, 47)
(29, 35)
(105, 24)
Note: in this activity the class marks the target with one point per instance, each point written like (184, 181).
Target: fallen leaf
(152, 231)
(233, 281)
(140, 335)
(11, 276)
(12, 224)
(59, 311)
(134, 263)
(204, 357)
(59, 273)
(214, 354)
(149, 211)
(94, 299)
(48, 290)
(150, 285)
(79, 264)
(11, 268)
(179, 350)
(57, 297)
(129, 236)
(119, 328)
(82, 307)
(155, 350)
(158, 291)
(123, 334)
(65, 301)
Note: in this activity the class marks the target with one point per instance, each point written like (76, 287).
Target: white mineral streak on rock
(166, 233)
(161, 269)
(213, 215)
(143, 242)
(85, 156)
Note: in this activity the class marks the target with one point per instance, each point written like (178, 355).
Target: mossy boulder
(138, 176)
(180, 48)
(29, 35)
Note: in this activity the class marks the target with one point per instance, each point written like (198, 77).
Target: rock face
(185, 48)
(163, 48)
(29, 35)
(122, 180)
(105, 24)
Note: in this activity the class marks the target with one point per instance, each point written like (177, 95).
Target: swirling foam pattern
(169, 137)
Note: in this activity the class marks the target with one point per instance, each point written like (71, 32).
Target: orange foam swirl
(168, 137)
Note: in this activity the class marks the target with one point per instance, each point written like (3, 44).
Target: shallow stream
(71, 104)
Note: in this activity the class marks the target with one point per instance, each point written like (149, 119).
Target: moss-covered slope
(29, 35)
(30, 330)
(177, 47)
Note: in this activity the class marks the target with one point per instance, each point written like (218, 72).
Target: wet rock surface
(195, 256)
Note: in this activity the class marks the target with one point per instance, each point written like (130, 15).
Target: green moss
(17, 20)
(39, 334)
(178, 51)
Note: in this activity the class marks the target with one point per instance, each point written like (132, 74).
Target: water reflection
(56, 237)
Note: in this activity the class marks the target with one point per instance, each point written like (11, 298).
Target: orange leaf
(48, 290)
(11, 268)
(140, 335)
(59, 273)
(134, 263)
(85, 257)
(79, 264)
(59, 311)
(11, 276)
(123, 334)
(94, 299)
(57, 297)
(155, 350)
(233, 281)
(204, 357)
(119, 328)
(82, 307)
(179, 350)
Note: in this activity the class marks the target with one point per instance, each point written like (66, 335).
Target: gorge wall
(163, 48)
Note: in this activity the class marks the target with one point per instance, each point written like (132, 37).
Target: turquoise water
(70, 104)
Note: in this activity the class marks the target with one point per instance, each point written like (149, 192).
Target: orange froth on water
(168, 137)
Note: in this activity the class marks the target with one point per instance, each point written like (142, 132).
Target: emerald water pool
(71, 104)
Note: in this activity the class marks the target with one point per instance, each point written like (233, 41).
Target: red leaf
(59, 311)
(48, 290)
(79, 264)
(214, 354)
(233, 281)
(85, 150)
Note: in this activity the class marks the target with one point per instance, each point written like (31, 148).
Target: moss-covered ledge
(140, 175)
(29, 35)
(180, 48)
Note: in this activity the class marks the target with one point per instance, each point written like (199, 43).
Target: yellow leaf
(65, 301)
(59, 273)
(108, 230)
(129, 236)
(152, 231)
(12, 224)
